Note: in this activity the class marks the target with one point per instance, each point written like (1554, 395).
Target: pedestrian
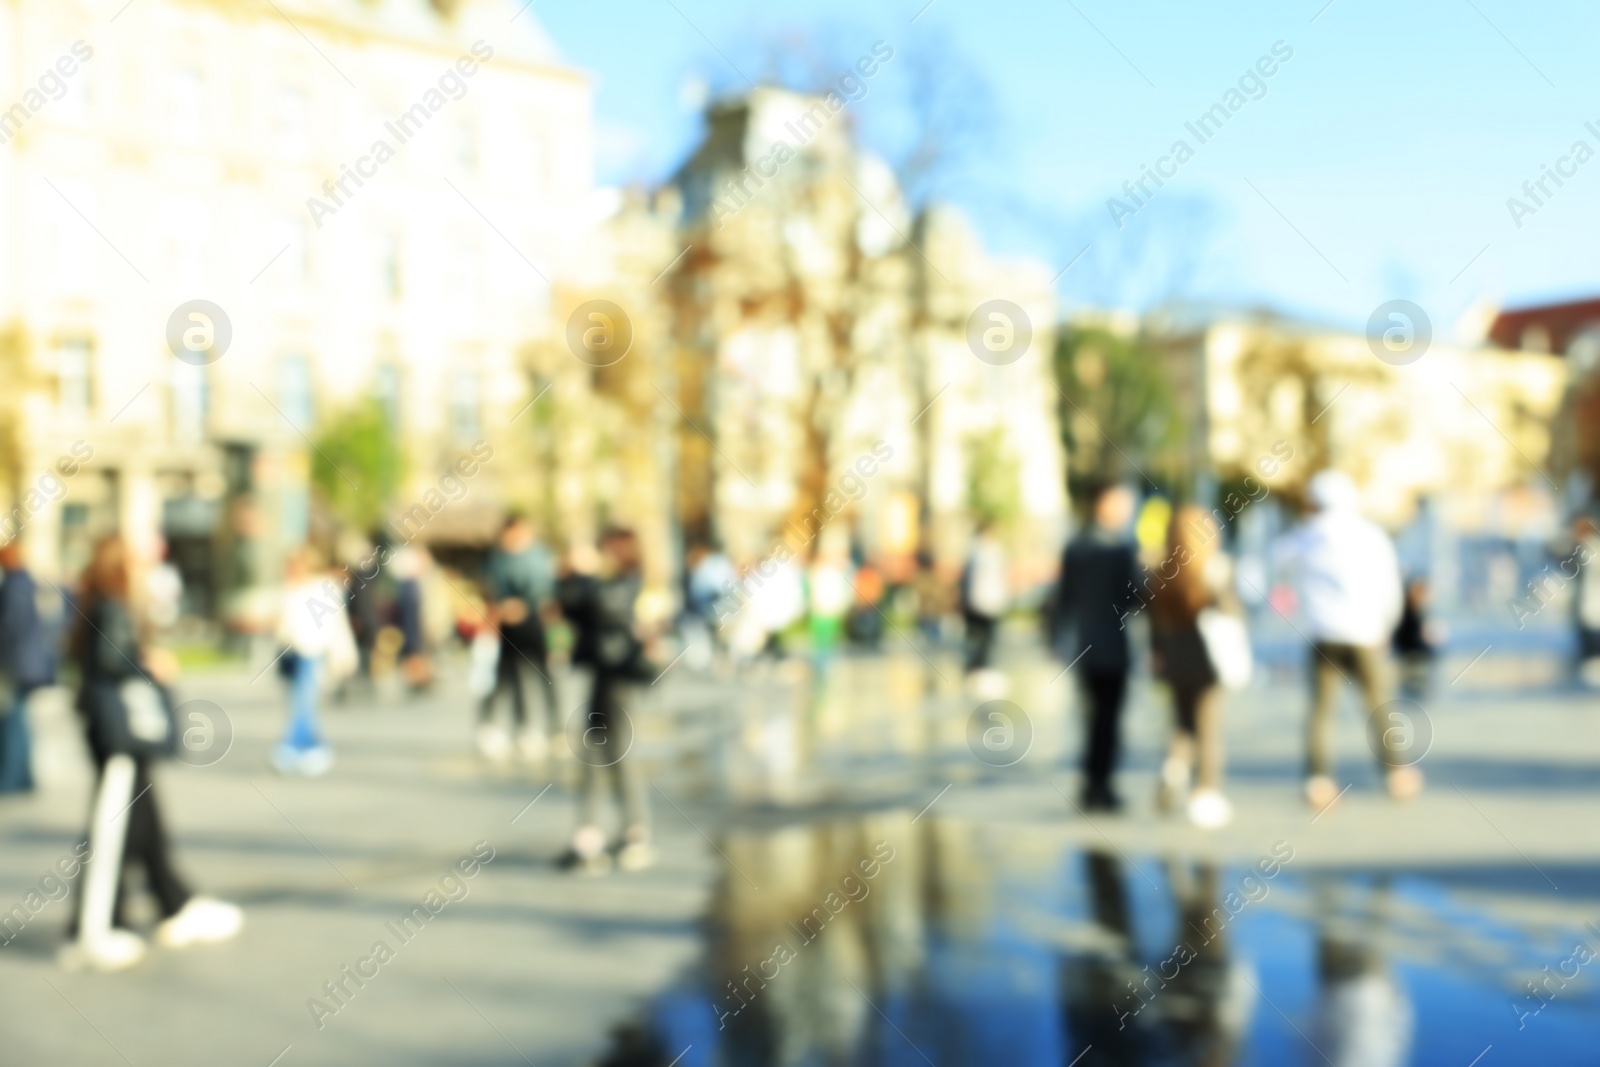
(1416, 641)
(622, 670)
(519, 583)
(708, 574)
(1194, 577)
(828, 599)
(865, 623)
(25, 665)
(1094, 599)
(410, 565)
(362, 605)
(1348, 580)
(311, 622)
(984, 597)
(115, 664)
(1586, 603)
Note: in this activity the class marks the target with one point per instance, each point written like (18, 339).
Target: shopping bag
(1228, 647)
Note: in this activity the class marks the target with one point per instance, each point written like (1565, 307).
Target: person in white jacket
(1349, 584)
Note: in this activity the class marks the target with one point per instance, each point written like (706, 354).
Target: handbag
(133, 717)
(1227, 646)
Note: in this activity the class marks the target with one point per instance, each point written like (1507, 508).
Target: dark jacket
(1093, 601)
(109, 651)
(24, 649)
(619, 653)
(575, 593)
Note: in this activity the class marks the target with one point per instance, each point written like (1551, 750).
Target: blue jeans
(16, 770)
(303, 733)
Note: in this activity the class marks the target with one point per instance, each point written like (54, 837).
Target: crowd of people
(1184, 598)
(1353, 607)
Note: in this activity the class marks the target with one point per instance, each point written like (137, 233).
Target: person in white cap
(1348, 579)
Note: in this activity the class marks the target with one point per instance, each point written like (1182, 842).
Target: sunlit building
(1451, 445)
(820, 319)
(374, 196)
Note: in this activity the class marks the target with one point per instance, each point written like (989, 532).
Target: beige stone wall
(171, 169)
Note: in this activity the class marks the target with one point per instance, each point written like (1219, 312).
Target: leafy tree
(994, 483)
(1119, 411)
(357, 465)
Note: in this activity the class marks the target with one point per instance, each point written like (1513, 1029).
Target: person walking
(1416, 641)
(519, 584)
(1093, 601)
(25, 665)
(985, 594)
(311, 621)
(126, 825)
(1348, 579)
(828, 598)
(621, 671)
(1201, 580)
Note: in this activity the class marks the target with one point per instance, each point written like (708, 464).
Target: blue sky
(1377, 164)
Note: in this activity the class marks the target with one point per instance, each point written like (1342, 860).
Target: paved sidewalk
(531, 961)
(534, 965)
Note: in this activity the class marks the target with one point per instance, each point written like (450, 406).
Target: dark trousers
(145, 844)
(1104, 691)
(980, 640)
(517, 662)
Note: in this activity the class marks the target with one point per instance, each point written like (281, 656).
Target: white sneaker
(202, 921)
(114, 950)
(637, 856)
(1209, 809)
(532, 745)
(285, 760)
(315, 762)
(494, 743)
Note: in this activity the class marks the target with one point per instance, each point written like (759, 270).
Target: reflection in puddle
(879, 941)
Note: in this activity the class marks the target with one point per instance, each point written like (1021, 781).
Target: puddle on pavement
(877, 941)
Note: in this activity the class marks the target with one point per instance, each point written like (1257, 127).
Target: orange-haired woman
(1194, 577)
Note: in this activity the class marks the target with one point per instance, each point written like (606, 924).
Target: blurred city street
(717, 533)
(998, 919)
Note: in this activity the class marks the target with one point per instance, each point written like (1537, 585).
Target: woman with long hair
(125, 822)
(1194, 576)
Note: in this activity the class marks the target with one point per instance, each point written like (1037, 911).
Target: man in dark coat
(1099, 572)
(25, 665)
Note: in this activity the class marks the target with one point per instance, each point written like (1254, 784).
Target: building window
(185, 105)
(191, 401)
(389, 263)
(466, 145)
(290, 136)
(294, 391)
(75, 378)
(386, 387)
(462, 267)
(464, 405)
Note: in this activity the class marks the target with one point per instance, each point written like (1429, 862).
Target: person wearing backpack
(115, 667)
